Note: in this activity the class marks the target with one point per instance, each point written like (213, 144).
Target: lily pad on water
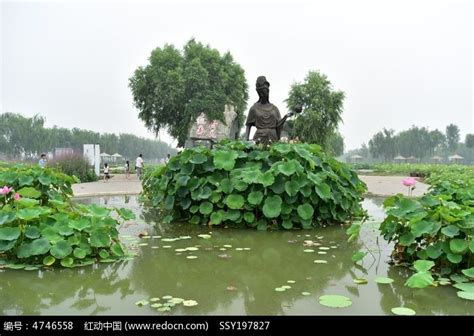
(167, 246)
(458, 278)
(228, 246)
(308, 250)
(192, 248)
(383, 280)
(204, 236)
(164, 309)
(286, 287)
(320, 261)
(247, 249)
(306, 293)
(466, 295)
(222, 249)
(142, 303)
(335, 301)
(280, 289)
(466, 287)
(239, 249)
(154, 299)
(322, 252)
(143, 244)
(167, 297)
(169, 239)
(190, 303)
(291, 281)
(155, 247)
(191, 257)
(180, 250)
(444, 281)
(469, 272)
(324, 248)
(156, 305)
(360, 281)
(403, 311)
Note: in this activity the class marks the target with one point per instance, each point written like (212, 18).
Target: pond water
(235, 273)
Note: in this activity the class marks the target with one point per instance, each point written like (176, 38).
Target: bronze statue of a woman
(265, 116)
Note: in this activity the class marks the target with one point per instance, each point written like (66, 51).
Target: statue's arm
(282, 120)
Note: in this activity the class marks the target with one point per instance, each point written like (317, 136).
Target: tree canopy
(176, 86)
(469, 140)
(322, 109)
(383, 144)
(452, 137)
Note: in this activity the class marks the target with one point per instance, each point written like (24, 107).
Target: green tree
(469, 142)
(20, 135)
(175, 87)
(418, 142)
(336, 144)
(438, 140)
(383, 144)
(322, 109)
(452, 137)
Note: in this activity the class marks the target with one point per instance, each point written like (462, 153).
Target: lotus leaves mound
(41, 225)
(241, 184)
(434, 233)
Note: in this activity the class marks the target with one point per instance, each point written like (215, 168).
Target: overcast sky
(399, 62)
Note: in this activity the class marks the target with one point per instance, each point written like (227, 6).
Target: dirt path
(119, 185)
(391, 185)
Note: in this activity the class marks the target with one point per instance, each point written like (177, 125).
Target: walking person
(139, 165)
(127, 170)
(43, 161)
(106, 172)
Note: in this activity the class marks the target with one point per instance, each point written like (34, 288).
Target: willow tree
(322, 109)
(176, 86)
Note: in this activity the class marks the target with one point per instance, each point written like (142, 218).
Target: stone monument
(208, 132)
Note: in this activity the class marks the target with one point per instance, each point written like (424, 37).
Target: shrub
(74, 164)
(40, 225)
(239, 184)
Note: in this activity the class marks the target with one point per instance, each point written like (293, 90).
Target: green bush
(239, 184)
(40, 225)
(438, 227)
(74, 164)
(422, 169)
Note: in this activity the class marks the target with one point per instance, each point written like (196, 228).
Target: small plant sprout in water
(410, 183)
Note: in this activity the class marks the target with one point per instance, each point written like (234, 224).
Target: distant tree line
(418, 142)
(22, 136)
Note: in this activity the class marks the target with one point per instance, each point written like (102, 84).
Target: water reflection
(76, 290)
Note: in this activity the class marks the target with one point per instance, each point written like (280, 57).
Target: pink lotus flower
(409, 182)
(5, 190)
(16, 196)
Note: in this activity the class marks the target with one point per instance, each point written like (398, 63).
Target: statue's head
(263, 90)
